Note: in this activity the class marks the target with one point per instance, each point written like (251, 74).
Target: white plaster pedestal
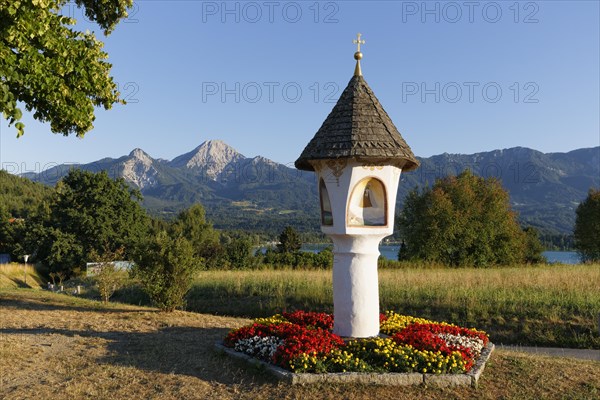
(360, 199)
(356, 285)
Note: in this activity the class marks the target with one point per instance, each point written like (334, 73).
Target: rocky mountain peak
(544, 188)
(140, 155)
(139, 170)
(263, 160)
(211, 157)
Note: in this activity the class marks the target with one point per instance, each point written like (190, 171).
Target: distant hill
(259, 194)
(238, 192)
(19, 196)
(544, 188)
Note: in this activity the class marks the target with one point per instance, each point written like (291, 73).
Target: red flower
(308, 318)
(310, 333)
(297, 340)
(248, 332)
(382, 318)
(305, 341)
(425, 337)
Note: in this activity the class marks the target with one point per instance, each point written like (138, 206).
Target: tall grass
(15, 275)
(549, 305)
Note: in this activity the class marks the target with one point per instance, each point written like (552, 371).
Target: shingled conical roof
(358, 128)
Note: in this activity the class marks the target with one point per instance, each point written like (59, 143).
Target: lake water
(391, 253)
(565, 257)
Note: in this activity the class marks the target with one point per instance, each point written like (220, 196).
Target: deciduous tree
(56, 71)
(193, 226)
(239, 253)
(463, 220)
(166, 268)
(587, 227)
(108, 277)
(91, 211)
(289, 241)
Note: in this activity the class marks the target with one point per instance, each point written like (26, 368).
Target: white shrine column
(358, 155)
(362, 198)
(356, 285)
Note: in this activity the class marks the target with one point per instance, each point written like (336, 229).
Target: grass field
(15, 275)
(547, 306)
(556, 306)
(55, 346)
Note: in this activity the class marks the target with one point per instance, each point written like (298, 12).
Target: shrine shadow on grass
(172, 350)
(20, 303)
(184, 351)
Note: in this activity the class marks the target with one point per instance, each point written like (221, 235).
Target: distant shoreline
(390, 252)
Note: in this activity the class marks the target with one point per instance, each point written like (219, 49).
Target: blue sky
(456, 77)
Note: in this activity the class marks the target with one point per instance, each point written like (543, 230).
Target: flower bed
(303, 342)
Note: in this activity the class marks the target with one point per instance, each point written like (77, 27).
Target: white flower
(261, 347)
(473, 343)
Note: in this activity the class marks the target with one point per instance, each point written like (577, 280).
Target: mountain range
(256, 193)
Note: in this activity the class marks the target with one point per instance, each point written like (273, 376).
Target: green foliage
(239, 253)
(5, 236)
(587, 227)
(166, 268)
(299, 259)
(108, 278)
(12, 234)
(19, 201)
(557, 242)
(192, 225)
(20, 196)
(464, 221)
(61, 251)
(54, 70)
(289, 241)
(533, 247)
(89, 212)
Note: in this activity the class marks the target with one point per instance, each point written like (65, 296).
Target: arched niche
(368, 204)
(326, 211)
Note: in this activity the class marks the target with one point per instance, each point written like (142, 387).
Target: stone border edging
(390, 379)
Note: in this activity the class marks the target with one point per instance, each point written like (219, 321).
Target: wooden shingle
(358, 128)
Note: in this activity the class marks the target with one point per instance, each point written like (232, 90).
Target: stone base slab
(386, 379)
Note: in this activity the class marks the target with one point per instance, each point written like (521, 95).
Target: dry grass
(553, 306)
(15, 275)
(55, 346)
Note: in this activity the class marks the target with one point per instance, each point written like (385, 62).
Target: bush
(238, 253)
(465, 220)
(166, 268)
(289, 241)
(587, 227)
(300, 259)
(533, 246)
(108, 278)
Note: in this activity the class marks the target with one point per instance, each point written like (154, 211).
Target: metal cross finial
(358, 42)
(358, 55)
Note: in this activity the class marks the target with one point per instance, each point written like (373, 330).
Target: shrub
(587, 227)
(166, 267)
(289, 241)
(108, 278)
(464, 220)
